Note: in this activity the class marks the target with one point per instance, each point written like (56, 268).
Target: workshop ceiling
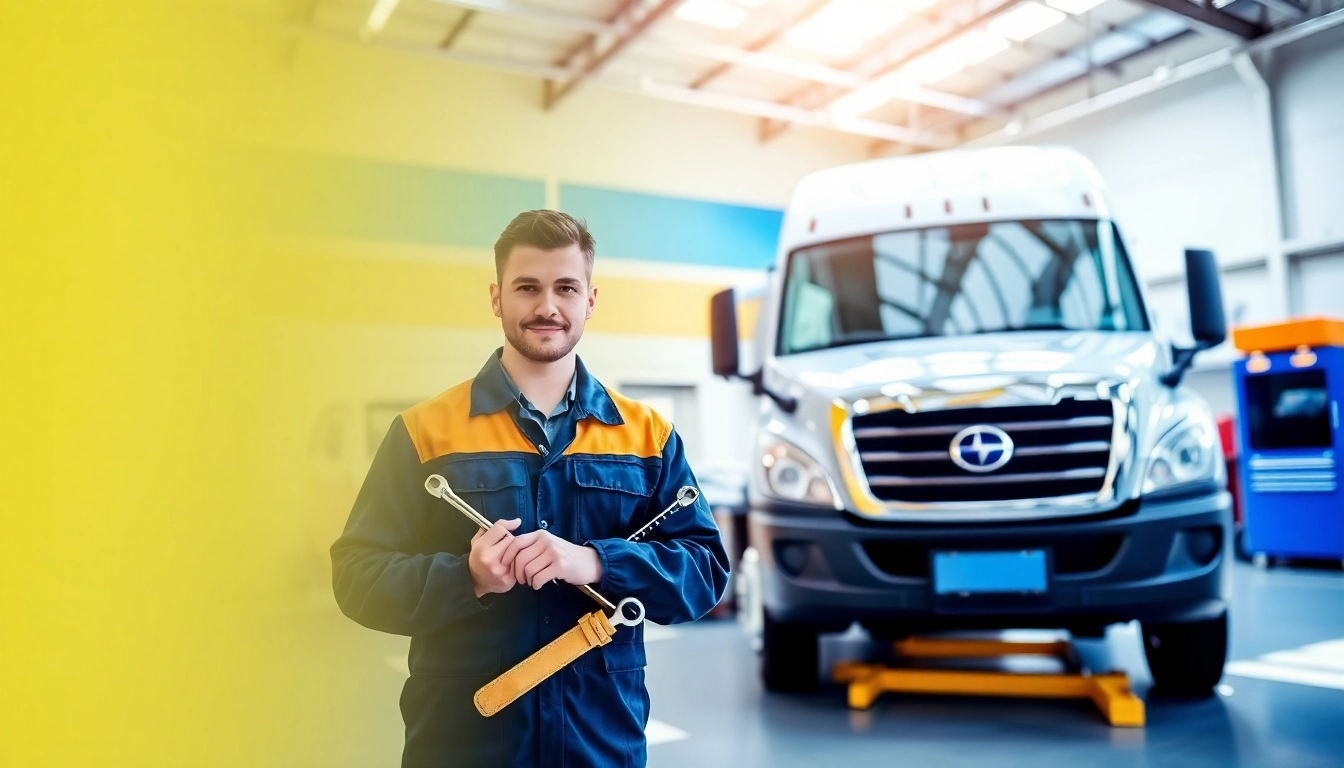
(913, 72)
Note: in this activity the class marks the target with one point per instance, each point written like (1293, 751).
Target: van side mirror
(1208, 323)
(723, 333)
(723, 349)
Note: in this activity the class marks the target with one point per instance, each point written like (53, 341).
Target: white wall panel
(1243, 291)
(1318, 285)
(1185, 167)
(1309, 81)
(1181, 164)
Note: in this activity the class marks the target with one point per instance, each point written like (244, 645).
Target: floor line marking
(1318, 581)
(1286, 674)
(1305, 660)
(658, 732)
(656, 632)
(1333, 649)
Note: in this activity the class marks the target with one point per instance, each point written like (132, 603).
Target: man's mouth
(544, 328)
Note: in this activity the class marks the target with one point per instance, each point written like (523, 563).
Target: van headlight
(1187, 455)
(789, 474)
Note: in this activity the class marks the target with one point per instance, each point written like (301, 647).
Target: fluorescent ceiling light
(858, 102)
(382, 11)
(951, 57)
(842, 26)
(712, 13)
(1025, 20)
(1076, 7)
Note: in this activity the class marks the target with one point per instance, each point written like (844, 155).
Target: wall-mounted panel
(345, 197)
(644, 227)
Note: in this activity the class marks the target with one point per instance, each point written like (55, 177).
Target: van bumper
(1155, 561)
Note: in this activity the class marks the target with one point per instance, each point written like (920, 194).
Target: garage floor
(709, 708)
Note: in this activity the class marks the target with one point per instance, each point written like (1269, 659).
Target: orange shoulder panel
(444, 425)
(643, 434)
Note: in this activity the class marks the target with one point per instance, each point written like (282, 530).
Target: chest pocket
(497, 488)
(613, 497)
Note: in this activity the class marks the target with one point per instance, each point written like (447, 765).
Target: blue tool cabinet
(1291, 441)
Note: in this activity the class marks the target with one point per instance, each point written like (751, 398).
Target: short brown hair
(546, 230)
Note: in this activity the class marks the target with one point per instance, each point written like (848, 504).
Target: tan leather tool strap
(592, 631)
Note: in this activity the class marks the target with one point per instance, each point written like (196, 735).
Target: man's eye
(569, 288)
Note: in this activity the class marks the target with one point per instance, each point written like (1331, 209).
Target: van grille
(1059, 450)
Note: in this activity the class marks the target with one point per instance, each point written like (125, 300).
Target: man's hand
(491, 560)
(539, 558)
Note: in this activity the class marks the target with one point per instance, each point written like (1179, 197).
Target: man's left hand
(540, 558)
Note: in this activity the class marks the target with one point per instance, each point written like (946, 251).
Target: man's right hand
(490, 572)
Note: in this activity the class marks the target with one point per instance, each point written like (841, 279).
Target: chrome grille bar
(1088, 473)
(1092, 446)
(1010, 426)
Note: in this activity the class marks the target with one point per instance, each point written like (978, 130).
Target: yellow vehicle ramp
(1109, 691)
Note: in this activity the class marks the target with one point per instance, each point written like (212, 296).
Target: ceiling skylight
(1024, 21)
(843, 26)
(1076, 7)
(714, 13)
(953, 56)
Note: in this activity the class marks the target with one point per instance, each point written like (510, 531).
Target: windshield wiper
(867, 337)
(1020, 328)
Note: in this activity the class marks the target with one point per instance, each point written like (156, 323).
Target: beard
(544, 350)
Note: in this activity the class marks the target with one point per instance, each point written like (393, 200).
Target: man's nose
(548, 307)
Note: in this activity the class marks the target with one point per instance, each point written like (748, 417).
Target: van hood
(977, 363)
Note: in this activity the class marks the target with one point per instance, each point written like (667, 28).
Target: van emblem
(981, 448)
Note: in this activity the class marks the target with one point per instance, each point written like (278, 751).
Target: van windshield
(961, 279)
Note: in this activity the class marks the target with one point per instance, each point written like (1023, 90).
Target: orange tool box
(1278, 337)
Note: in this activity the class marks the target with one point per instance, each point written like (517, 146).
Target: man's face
(543, 300)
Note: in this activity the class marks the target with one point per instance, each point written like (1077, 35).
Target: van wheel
(1186, 659)
(788, 656)
(1240, 550)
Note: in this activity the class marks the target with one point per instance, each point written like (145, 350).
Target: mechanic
(566, 469)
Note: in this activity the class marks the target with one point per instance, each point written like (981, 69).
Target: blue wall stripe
(334, 196)
(633, 225)
(345, 197)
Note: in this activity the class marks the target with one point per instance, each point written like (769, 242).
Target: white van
(968, 420)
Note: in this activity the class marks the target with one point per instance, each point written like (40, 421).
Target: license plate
(978, 573)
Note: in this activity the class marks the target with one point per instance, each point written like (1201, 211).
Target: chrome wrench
(437, 485)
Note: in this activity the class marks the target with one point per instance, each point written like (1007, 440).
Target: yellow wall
(346, 98)
(165, 364)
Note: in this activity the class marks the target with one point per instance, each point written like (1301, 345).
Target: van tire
(1186, 659)
(1239, 549)
(788, 656)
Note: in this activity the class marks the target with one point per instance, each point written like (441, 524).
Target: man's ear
(494, 300)
(592, 302)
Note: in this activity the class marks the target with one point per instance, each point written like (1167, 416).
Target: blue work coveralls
(401, 567)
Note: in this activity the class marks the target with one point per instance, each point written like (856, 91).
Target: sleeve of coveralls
(381, 578)
(681, 570)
